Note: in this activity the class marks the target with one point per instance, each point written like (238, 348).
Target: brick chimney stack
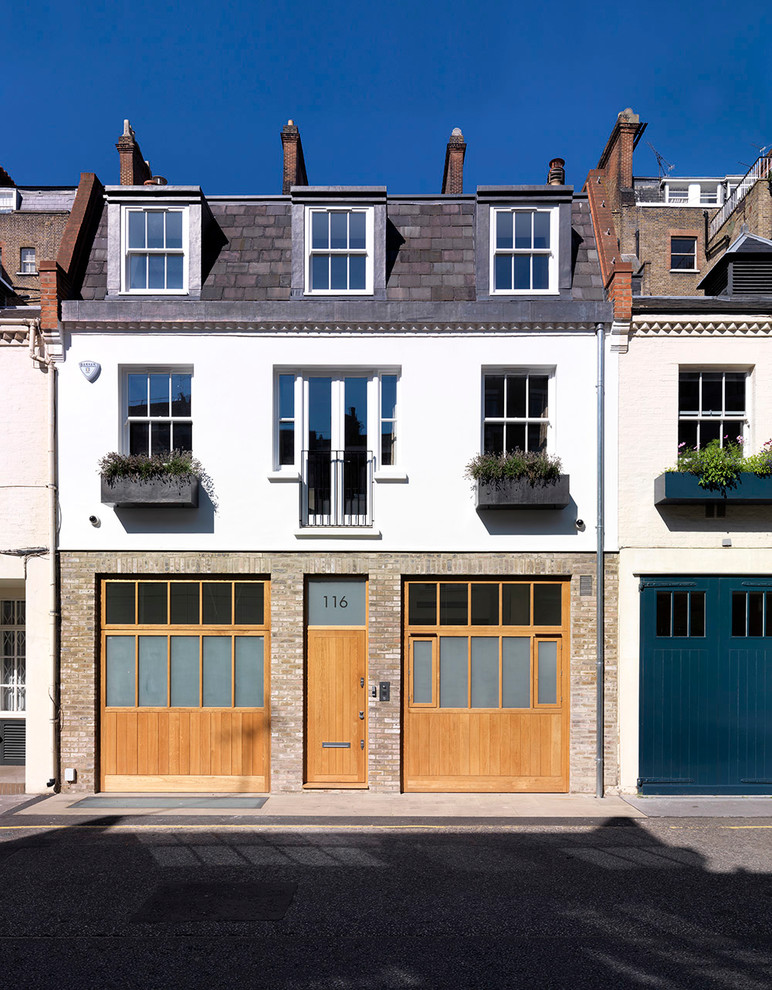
(557, 173)
(453, 176)
(134, 169)
(294, 163)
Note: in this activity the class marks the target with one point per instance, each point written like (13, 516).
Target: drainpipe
(37, 352)
(600, 668)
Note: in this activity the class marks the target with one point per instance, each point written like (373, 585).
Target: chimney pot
(557, 172)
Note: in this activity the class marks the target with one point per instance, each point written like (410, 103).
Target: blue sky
(377, 89)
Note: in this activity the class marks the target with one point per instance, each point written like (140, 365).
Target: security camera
(95, 521)
(579, 523)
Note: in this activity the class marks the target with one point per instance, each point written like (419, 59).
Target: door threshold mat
(151, 801)
(216, 901)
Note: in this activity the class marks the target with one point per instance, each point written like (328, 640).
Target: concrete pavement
(352, 806)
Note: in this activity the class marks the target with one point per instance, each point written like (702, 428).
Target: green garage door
(706, 686)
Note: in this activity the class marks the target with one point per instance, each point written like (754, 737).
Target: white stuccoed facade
(25, 526)
(424, 502)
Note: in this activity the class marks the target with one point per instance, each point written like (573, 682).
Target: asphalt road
(135, 903)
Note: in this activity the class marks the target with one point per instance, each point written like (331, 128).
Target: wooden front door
(336, 684)
(185, 686)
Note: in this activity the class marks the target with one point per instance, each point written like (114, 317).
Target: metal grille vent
(752, 277)
(12, 747)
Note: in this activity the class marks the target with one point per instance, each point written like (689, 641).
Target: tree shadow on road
(617, 904)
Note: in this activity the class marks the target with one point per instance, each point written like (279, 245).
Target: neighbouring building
(33, 221)
(688, 266)
(333, 605)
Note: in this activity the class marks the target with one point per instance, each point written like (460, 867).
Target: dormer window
(524, 251)
(339, 251)
(155, 242)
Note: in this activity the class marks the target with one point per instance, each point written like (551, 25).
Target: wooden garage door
(487, 676)
(185, 686)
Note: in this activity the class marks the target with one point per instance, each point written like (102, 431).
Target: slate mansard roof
(430, 251)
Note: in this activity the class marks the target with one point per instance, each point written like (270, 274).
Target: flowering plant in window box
(715, 472)
(519, 479)
(131, 480)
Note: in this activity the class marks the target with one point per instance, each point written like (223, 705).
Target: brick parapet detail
(617, 274)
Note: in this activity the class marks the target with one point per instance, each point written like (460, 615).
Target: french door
(337, 465)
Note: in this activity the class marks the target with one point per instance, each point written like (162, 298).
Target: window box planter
(519, 493)
(682, 488)
(131, 493)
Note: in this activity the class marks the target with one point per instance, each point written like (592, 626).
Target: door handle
(361, 682)
(362, 715)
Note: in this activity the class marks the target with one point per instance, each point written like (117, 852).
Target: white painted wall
(23, 450)
(439, 430)
(24, 523)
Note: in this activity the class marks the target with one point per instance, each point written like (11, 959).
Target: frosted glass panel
(485, 672)
(422, 672)
(217, 672)
(249, 671)
(454, 672)
(548, 673)
(152, 670)
(120, 670)
(336, 603)
(516, 671)
(185, 671)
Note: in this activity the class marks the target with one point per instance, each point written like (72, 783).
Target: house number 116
(336, 602)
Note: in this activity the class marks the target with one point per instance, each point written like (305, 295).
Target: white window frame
(521, 372)
(700, 417)
(301, 412)
(146, 370)
(18, 680)
(9, 199)
(551, 253)
(367, 252)
(28, 265)
(127, 252)
(682, 254)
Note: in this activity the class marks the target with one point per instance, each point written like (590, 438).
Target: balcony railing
(337, 488)
(761, 169)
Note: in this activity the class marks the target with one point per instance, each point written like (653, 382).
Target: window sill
(28, 274)
(338, 532)
(337, 293)
(289, 475)
(524, 292)
(153, 292)
(386, 475)
(684, 271)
